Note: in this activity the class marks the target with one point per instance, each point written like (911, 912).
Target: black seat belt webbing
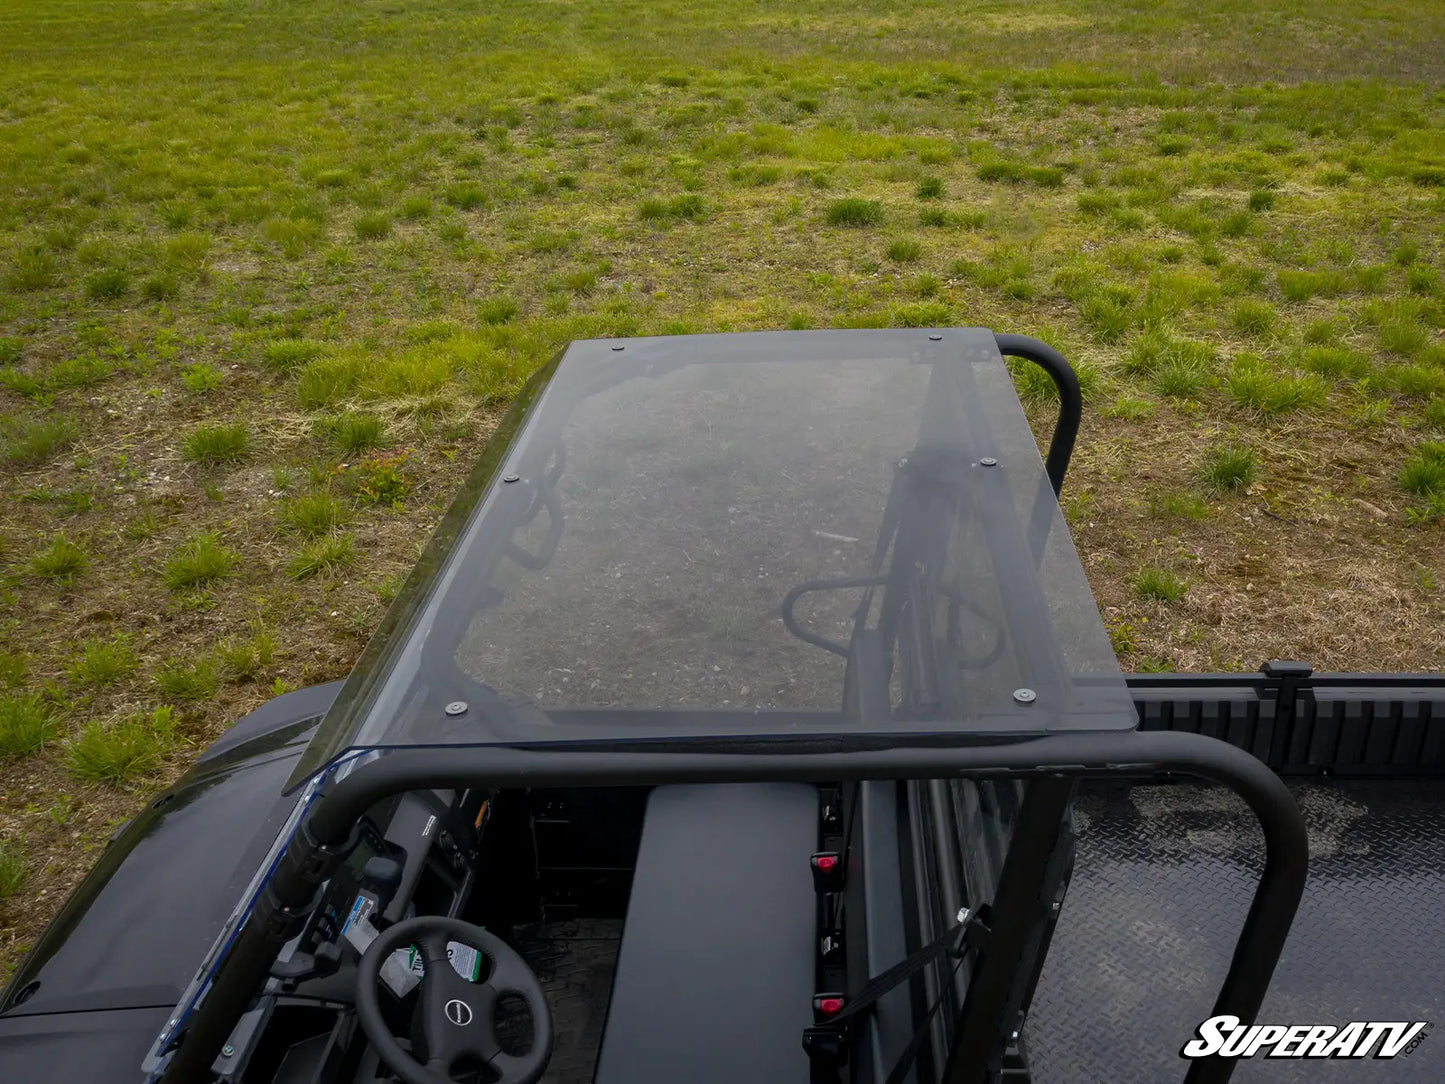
(826, 1043)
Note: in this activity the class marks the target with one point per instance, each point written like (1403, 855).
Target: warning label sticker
(466, 961)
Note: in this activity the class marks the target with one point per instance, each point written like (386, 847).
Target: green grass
(60, 560)
(32, 268)
(1255, 385)
(289, 354)
(26, 724)
(1253, 318)
(243, 658)
(1180, 378)
(1156, 582)
(1335, 362)
(1228, 467)
(108, 284)
(1011, 172)
(312, 515)
(201, 560)
(904, 250)
(498, 310)
(1420, 279)
(190, 679)
(14, 867)
(13, 669)
(104, 661)
(353, 433)
(323, 556)
(215, 444)
(1423, 473)
(27, 441)
(1302, 285)
(1176, 504)
(855, 212)
(201, 377)
(124, 749)
(1131, 408)
(1261, 200)
(372, 227)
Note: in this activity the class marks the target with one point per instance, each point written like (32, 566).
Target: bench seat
(715, 973)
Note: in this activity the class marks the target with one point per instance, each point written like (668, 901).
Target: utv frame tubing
(328, 830)
(1071, 399)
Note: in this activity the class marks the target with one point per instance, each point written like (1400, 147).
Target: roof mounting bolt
(964, 914)
(511, 477)
(1013, 1037)
(227, 1050)
(935, 338)
(988, 461)
(456, 707)
(1025, 696)
(615, 348)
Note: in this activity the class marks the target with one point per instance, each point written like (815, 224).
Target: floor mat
(575, 961)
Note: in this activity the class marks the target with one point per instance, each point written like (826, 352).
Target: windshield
(705, 536)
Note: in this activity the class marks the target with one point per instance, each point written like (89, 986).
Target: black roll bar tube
(790, 602)
(1071, 399)
(324, 836)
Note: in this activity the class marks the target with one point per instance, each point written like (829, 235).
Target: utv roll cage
(1238, 731)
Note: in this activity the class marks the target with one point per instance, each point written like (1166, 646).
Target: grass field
(269, 271)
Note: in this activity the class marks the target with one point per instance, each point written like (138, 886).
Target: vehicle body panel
(133, 932)
(77, 1047)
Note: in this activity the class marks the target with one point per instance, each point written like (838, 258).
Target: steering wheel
(454, 1023)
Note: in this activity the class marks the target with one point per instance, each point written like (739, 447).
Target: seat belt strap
(827, 1042)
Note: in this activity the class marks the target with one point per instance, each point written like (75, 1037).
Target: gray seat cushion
(715, 975)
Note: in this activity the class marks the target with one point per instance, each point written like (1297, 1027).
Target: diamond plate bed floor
(1163, 879)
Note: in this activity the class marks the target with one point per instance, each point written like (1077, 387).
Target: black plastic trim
(1305, 724)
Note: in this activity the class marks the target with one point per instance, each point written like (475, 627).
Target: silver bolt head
(988, 461)
(227, 1050)
(935, 338)
(1025, 696)
(511, 477)
(964, 914)
(619, 348)
(456, 707)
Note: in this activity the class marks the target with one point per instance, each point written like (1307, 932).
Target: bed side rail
(1303, 723)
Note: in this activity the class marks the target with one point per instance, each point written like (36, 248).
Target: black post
(1018, 917)
(1071, 399)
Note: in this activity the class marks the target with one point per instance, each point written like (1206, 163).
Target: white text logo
(1227, 1037)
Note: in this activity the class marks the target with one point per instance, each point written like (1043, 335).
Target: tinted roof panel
(618, 565)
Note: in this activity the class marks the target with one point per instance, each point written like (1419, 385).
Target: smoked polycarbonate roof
(617, 565)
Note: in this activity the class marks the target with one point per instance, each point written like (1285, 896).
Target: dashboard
(416, 854)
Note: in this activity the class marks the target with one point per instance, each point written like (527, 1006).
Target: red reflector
(826, 863)
(830, 1005)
